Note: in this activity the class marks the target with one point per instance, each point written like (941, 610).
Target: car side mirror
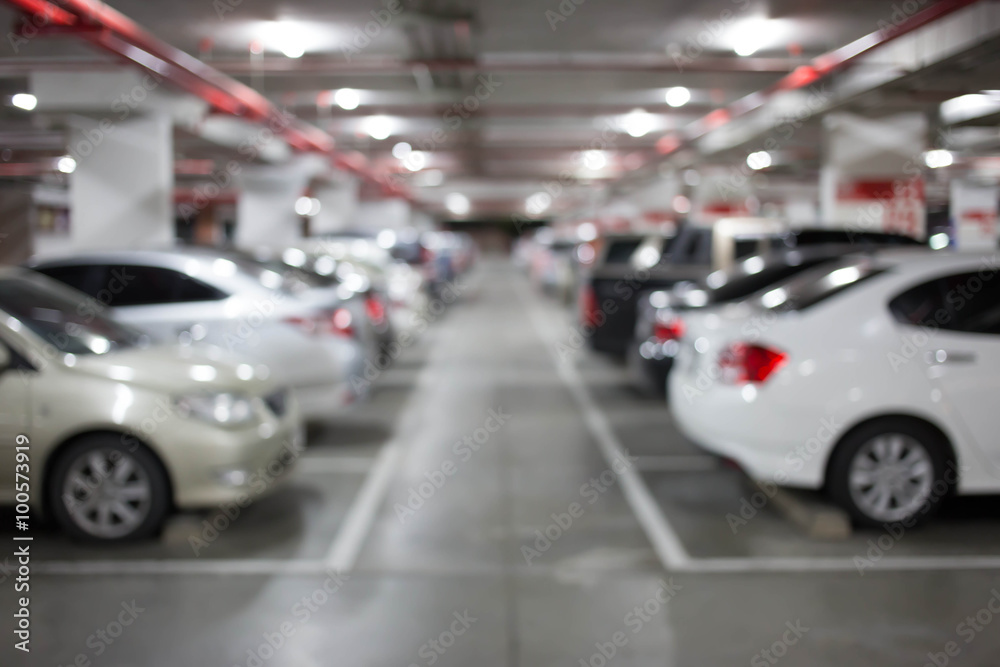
(5, 358)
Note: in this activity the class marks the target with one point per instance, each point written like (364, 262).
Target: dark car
(633, 265)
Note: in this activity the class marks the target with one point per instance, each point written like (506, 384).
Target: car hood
(177, 369)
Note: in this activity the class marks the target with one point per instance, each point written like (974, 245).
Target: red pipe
(105, 27)
(820, 67)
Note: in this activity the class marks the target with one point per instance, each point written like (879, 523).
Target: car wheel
(890, 471)
(104, 490)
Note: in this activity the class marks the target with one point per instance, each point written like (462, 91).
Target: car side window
(965, 302)
(135, 285)
(88, 278)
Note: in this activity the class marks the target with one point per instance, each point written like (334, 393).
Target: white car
(305, 336)
(874, 377)
(109, 435)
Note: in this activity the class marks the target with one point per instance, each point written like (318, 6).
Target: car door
(14, 420)
(167, 303)
(960, 314)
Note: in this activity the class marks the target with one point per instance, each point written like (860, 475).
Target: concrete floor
(449, 583)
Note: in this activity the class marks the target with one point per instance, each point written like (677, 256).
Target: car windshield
(64, 318)
(276, 274)
(818, 284)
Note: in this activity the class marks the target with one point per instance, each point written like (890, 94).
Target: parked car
(872, 377)
(117, 432)
(305, 336)
(660, 317)
(633, 265)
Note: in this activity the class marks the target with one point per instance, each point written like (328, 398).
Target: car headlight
(225, 409)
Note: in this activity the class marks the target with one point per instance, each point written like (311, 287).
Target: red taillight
(588, 307)
(672, 330)
(375, 310)
(744, 363)
(340, 322)
(337, 322)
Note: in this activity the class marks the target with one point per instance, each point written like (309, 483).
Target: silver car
(306, 337)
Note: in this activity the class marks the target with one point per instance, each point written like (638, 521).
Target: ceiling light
(347, 99)
(378, 127)
(307, 206)
(638, 123)
(759, 160)
(401, 150)
(938, 158)
(415, 161)
(25, 101)
(286, 38)
(751, 35)
(595, 160)
(681, 204)
(66, 164)
(538, 203)
(678, 96)
(457, 203)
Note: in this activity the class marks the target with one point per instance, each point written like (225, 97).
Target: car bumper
(219, 466)
(766, 441)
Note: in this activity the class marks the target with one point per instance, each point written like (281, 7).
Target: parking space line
(357, 524)
(678, 463)
(666, 543)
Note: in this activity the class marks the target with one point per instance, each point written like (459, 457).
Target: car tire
(890, 471)
(103, 489)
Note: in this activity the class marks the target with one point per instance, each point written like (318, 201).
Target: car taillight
(671, 330)
(341, 321)
(743, 363)
(588, 307)
(375, 310)
(307, 325)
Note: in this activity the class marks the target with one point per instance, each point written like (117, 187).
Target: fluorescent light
(415, 161)
(25, 101)
(378, 127)
(401, 150)
(457, 203)
(347, 99)
(678, 96)
(595, 160)
(938, 158)
(638, 123)
(66, 164)
(759, 160)
(751, 35)
(538, 203)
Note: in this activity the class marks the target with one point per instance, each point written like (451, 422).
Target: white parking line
(661, 534)
(359, 519)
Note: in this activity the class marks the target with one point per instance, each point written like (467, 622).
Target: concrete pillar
(722, 193)
(16, 220)
(121, 194)
(974, 215)
(338, 205)
(265, 212)
(872, 173)
(383, 214)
